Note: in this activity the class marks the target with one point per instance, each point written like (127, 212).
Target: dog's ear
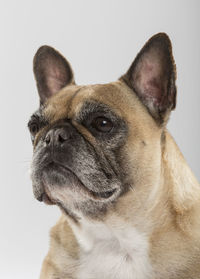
(152, 76)
(52, 72)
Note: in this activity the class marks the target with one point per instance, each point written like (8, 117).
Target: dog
(102, 153)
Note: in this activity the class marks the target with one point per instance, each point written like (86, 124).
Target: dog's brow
(93, 107)
(90, 107)
(38, 115)
(74, 96)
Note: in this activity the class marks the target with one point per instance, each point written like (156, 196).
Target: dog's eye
(102, 124)
(34, 128)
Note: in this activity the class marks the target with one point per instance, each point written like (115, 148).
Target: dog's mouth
(58, 176)
(46, 199)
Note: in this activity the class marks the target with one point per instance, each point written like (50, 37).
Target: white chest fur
(112, 252)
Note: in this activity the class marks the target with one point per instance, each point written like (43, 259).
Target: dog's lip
(46, 197)
(103, 195)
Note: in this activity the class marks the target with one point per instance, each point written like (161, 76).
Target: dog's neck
(112, 245)
(179, 177)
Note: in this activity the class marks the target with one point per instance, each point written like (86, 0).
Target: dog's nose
(56, 136)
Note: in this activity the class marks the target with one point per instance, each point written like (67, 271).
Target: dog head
(95, 143)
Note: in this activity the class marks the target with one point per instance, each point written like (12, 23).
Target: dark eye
(34, 128)
(102, 124)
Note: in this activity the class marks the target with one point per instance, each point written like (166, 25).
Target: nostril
(62, 138)
(56, 137)
(47, 139)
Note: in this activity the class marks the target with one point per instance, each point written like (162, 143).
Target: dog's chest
(120, 253)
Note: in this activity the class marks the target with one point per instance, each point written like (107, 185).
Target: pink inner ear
(152, 76)
(52, 72)
(55, 80)
(149, 78)
(56, 75)
(54, 85)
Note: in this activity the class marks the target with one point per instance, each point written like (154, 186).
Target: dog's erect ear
(152, 76)
(52, 72)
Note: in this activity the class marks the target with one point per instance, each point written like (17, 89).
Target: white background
(100, 39)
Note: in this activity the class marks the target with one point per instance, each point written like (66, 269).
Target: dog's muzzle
(63, 158)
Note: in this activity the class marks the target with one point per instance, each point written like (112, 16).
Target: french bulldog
(102, 153)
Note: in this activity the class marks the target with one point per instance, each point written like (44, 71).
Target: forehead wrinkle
(75, 103)
(59, 107)
(69, 107)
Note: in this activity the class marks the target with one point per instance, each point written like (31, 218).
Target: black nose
(56, 136)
